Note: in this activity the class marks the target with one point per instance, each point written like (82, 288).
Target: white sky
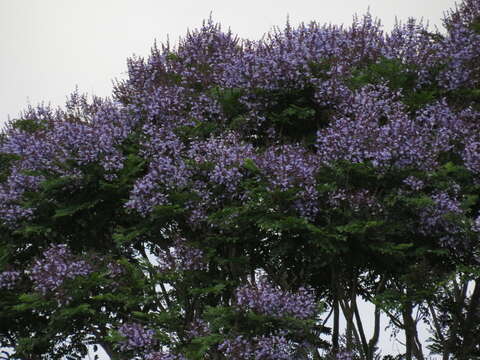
(47, 47)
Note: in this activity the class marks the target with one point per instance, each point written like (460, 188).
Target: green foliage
(229, 100)
(390, 71)
(399, 77)
(27, 125)
(475, 26)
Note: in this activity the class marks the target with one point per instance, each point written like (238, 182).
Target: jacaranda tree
(233, 199)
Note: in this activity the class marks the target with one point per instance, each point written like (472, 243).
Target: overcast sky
(47, 47)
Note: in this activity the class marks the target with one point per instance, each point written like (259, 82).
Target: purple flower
(292, 166)
(181, 257)
(265, 298)
(8, 279)
(355, 200)
(344, 355)
(413, 183)
(136, 336)
(437, 219)
(115, 269)
(56, 266)
(272, 347)
(64, 142)
(164, 356)
(476, 225)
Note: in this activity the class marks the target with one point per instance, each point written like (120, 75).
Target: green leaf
(73, 209)
(71, 312)
(250, 165)
(33, 229)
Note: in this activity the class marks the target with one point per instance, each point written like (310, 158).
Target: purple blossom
(165, 87)
(413, 183)
(460, 47)
(167, 169)
(471, 154)
(376, 128)
(272, 347)
(84, 133)
(8, 279)
(344, 355)
(265, 298)
(56, 266)
(173, 167)
(165, 174)
(136, 336)
(164, 356)
(227, 154)
(181, 257)
(198, 328)
(436, 219)
(476, 224)
(289, 166)
(412, 43)
(217, 165)
(11, 193)
(355, 200)
(115, 269)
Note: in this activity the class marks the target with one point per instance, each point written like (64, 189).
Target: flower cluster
(115, 269)
(460, 47)
(198, 328)
(414, 47)
(471, 154)
(476, 225)
(84, 133)
(167, 169)
(272, 347)
(164, 356)
(8, 279)
(308, 56)
(413, 183)
(265, 298)
(181, 257)
(60, 143)
(164, 88)
(56, 266)
(136, 337)
(292, 166)
(377, 129)
(344, 355)
(355, 201)
(438, 217)
(11, 192)
(227, 155)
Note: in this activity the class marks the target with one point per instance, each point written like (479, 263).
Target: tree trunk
(372, 344)
(471, 320)
(336, 315)
(408, 328)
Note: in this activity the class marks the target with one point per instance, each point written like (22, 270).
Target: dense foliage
(233, 195)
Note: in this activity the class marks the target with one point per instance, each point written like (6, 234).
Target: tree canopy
(232, 196)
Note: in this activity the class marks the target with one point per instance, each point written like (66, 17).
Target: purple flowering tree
(234, 199)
